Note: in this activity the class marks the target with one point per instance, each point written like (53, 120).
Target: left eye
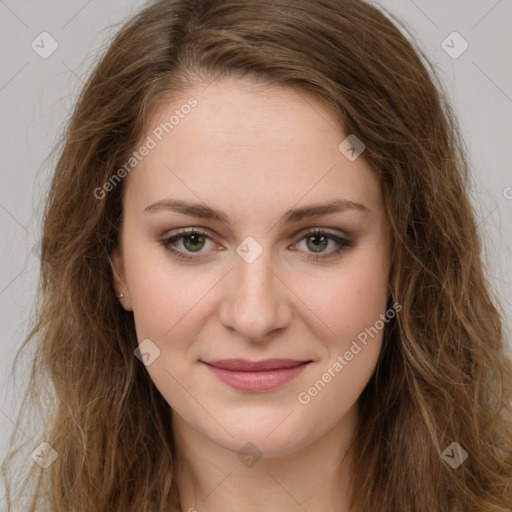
(194, 240)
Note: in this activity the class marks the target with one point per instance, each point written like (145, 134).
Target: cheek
(162, 294)
(349, 299)
(332, 311)
(334, 390)
(166, 302)
(356, 312)
(337, 304)
(153, 295)
(357, 317)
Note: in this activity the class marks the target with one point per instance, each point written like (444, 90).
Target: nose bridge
(254, 278)
(255, 303)
(253, 273)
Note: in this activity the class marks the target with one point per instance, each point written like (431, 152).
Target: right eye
(193, 240)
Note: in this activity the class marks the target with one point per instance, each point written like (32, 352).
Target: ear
(119, 279)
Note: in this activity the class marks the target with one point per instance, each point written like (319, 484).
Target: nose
(256, 303)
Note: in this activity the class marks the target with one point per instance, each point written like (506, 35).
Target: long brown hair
(442, 376)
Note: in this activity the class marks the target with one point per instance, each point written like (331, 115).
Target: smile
(256, 376)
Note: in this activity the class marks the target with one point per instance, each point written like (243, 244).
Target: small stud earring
(121, 295)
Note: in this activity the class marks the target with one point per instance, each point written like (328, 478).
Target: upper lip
(245, 365)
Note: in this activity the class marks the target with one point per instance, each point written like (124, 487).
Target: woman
(334, 341)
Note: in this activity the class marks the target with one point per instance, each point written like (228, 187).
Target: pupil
(323, 240)
(194, 237)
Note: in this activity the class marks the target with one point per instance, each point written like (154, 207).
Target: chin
(257, 444)
(272, 437)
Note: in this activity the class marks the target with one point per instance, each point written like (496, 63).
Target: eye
(194, 239)
(317, 239)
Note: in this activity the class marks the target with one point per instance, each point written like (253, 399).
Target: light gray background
(36, 95)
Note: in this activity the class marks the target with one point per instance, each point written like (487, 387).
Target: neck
(315, 477)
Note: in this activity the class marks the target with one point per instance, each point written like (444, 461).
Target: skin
(254, 152)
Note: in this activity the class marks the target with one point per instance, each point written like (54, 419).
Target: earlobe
(119, 279)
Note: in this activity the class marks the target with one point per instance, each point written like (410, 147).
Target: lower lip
(257, 381)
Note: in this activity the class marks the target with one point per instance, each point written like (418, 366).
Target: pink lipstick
(256, 376)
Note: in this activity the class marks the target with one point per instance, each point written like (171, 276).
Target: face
(229, 257)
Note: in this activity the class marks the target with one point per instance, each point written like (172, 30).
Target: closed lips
(256, 376)
(243, 365)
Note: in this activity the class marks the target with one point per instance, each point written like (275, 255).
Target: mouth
(256, 376)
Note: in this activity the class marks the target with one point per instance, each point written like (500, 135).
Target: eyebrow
(203, 211)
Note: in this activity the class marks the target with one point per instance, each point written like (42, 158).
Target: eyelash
(182, 233)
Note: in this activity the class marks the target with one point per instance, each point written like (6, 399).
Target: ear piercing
(121, 295)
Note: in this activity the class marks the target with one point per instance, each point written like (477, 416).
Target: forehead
(246, 144)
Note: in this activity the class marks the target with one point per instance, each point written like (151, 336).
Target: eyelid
(207, 232)
(339, 233)
(343, 242)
